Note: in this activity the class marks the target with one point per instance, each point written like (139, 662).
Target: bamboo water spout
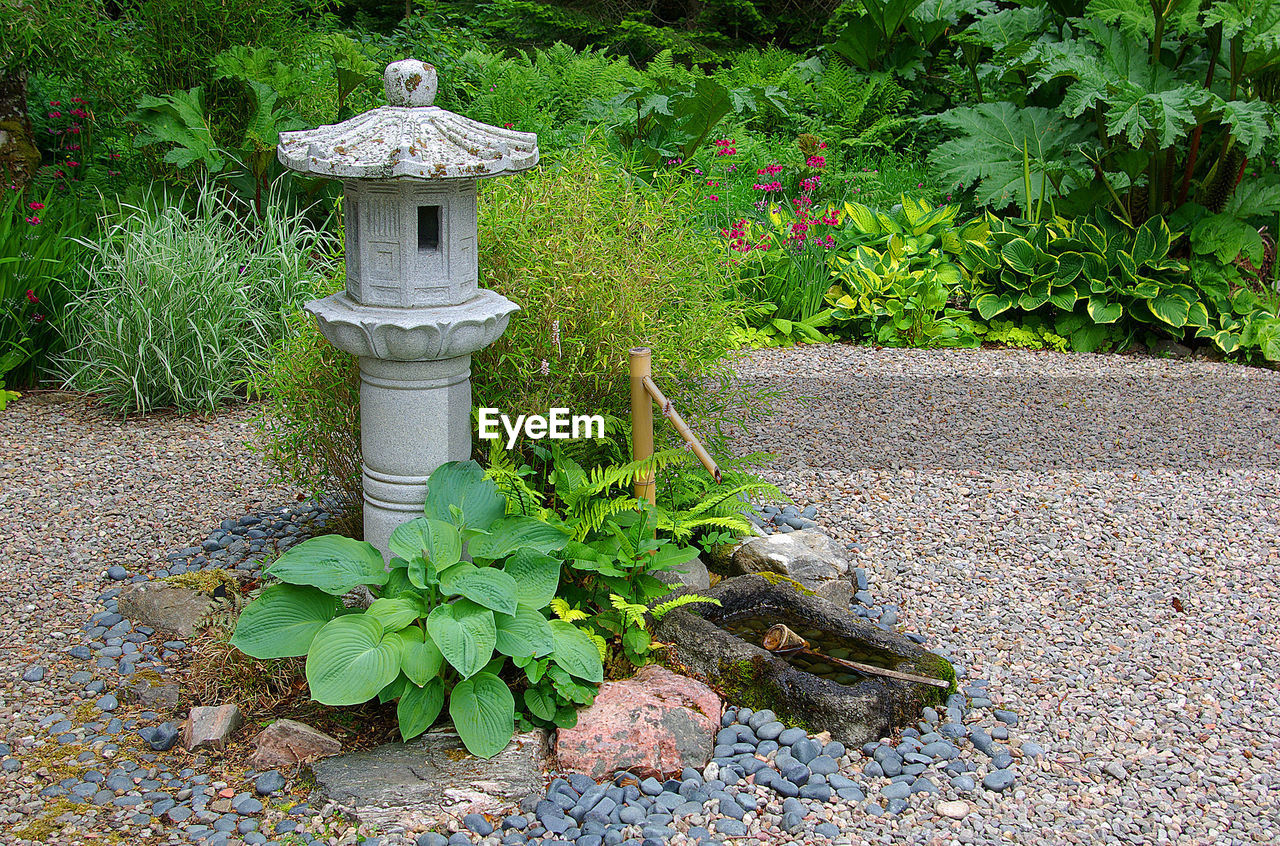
(644, 392)
(781, 640)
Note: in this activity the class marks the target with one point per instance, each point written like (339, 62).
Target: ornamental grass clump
(179, 304)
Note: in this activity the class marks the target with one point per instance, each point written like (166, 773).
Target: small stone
(211, 725)
(827, 830)
(268, 783)
(117, 573)
(963, 783)
(478, 824)
(108, 703)
(953, 810)
(998, 780)
(1116, 770)
(896, 790)
(33, 674)
(1032, 750)
(163, 737)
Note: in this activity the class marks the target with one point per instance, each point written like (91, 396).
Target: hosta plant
(467, 588)
(1098, 280)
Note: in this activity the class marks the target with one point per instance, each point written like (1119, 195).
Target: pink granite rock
(655, 723)
(285, 743)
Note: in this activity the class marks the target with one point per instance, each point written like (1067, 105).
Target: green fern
(662, 609)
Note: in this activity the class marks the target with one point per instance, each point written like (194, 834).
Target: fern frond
(601, 646)
(663, 609)
(562, 611)
(633, 613)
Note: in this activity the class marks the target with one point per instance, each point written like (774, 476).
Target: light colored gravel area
(79, 492)
(1097, 536)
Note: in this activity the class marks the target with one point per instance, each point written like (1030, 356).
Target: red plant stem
(1191, 164)
(1240, 173)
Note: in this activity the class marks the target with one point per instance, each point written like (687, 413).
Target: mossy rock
(747, 675)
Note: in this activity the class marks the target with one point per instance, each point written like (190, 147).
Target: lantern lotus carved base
(413, 334)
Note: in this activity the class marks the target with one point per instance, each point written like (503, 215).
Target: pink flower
(55, 102)
(31, 296)
(713, 198)
(35, 206)
(919, 184)
(507, 125)
(37, 318)
(73, 164)
(34, 220)
(55, 114)
(816, 161)
(59, 174)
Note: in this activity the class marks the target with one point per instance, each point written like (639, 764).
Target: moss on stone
(746, 683)
(936, 667)
(205, 581)
(41, 827)
(776, 579)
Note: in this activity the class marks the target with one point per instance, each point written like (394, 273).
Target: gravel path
(1094, 538)
(1099, 537)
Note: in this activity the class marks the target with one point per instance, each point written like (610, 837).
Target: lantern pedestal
(415, 393)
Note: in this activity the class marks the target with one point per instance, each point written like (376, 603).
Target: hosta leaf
(1151, 243)
(451, 581)
(536, 575)
(1070, 265)
(525, 634)
(990, 305)
(437, 540)
(420, 658)
(282, 622)
(520, 532)
(1101, 311)
(335, 564)
(1064, 298)
(575, 652)
(489, 587)
(394, 613)
(1171, 309)
(465, 634)
(462, 485)
(1198, 315)
(540, 702)
(1035, 296)
(418, 707)
(484, 714)
(392, 691)
(1021, 255)
(351, 660)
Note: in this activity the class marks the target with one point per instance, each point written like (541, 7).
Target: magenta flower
(34, 220)
(31, 296)
(35, 206)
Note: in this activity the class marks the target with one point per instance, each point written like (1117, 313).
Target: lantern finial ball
(410, 83)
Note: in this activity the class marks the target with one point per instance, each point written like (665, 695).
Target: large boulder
(286, 743)
(431, 781)
(655, 723)
(169, 608)
(808, 556)
(748, 675)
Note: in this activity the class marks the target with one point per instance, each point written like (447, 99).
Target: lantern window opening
(428, 228)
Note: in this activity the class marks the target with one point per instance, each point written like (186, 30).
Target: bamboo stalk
(669, 412)
(788, 642)
(642, 420)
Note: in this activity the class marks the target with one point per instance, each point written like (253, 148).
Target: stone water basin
(722, 645)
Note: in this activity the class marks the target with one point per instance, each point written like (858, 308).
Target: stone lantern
(412, 310)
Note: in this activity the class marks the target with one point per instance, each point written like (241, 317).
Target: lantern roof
(408, 139)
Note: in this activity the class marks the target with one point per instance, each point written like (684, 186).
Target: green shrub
(178, 305)
(600, 263)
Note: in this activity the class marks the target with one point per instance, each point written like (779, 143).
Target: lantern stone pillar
(412, 309)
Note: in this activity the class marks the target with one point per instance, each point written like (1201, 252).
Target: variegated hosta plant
(441, 626)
